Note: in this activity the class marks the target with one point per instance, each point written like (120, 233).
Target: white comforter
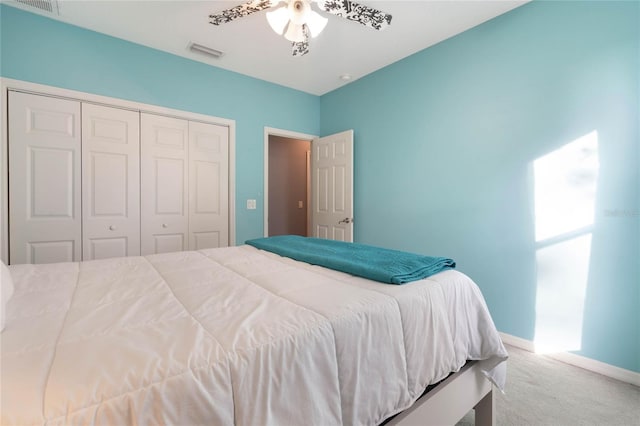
(233, 335)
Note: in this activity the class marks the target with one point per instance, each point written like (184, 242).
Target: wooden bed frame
(451, 400)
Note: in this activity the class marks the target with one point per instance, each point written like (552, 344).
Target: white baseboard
(599, 367)
(518, 342)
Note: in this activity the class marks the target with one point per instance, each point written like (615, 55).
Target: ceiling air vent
(198, 48)
(50, 6)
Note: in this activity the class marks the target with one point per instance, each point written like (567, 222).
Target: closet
(90, 181)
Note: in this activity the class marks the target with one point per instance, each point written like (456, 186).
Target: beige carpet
(543, 391)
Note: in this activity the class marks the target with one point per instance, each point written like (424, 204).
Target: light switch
(300, 205)
(251, 204)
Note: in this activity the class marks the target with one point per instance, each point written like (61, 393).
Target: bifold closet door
(164, 182)
(110, 181)
(44, 185)
(208, 186)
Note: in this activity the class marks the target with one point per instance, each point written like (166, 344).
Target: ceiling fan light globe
(278, 19)
(316, 23)
(299, 11)
(295, 33)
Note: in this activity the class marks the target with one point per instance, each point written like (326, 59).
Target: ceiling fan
(300, 21)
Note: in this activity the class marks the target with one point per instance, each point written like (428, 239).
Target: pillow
(6, 291)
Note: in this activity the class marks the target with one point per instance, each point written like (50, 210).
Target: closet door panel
(170, 186)
(103, 248)
(208, 186)
(51, 251)
(167, 243)
(164, 174)
(111, 182)
(44, 185)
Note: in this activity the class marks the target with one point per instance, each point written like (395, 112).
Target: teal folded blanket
(374, 263)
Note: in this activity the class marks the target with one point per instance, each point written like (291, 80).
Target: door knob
(112, 228)
(164, 225)
(346, 220)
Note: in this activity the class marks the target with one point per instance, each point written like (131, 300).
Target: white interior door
(111, 182)
(164, 181)
(208, 186)
(332, 180)
(44, 188)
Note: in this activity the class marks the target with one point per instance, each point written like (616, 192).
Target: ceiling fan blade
(367, 16)
(301, 48)
(240, 11)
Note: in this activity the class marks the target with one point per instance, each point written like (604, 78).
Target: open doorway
(287, 183)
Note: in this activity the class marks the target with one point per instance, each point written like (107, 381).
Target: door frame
(271, 131)
(7, 84)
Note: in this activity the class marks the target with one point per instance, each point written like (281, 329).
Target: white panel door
(111, 182)
(208, 186)
(44, 184)
(332, 180)
(164, 184)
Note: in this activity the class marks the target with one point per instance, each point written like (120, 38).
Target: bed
(241, 336)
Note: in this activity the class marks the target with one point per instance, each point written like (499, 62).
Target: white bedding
(232, 335)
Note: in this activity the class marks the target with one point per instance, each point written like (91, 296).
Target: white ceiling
(250, 46)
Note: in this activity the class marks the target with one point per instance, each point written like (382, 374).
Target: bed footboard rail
(451, 400)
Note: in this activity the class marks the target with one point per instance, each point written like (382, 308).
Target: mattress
(231, 336)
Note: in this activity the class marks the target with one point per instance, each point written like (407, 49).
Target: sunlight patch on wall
(565, 192)
(563, 270)
(565, 188)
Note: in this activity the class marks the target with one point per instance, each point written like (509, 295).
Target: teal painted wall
(444, 145)
(41, 50)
